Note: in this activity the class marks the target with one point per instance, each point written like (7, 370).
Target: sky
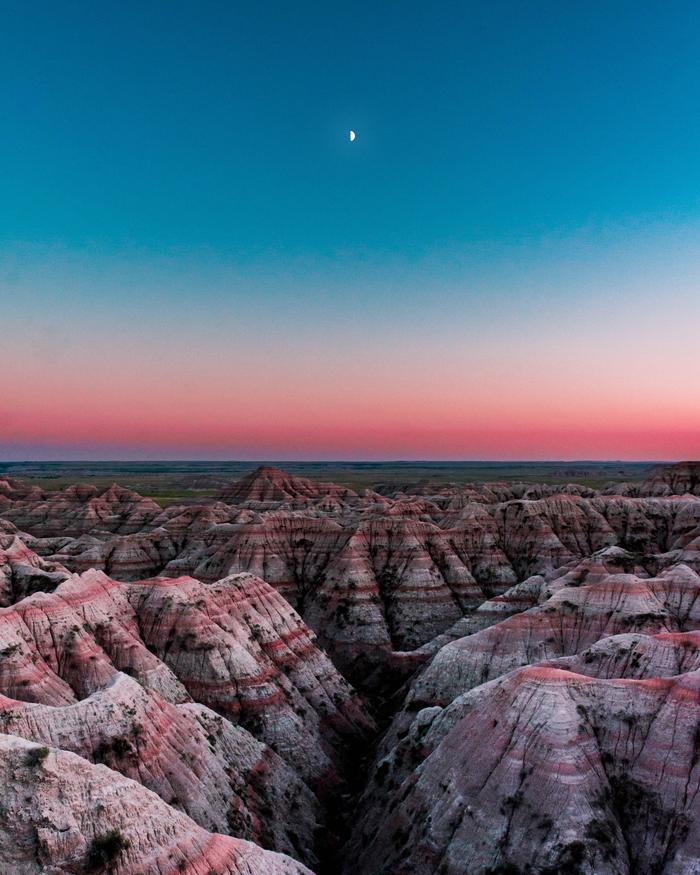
(196, 262)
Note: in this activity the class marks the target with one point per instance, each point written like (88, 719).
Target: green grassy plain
(169, 482)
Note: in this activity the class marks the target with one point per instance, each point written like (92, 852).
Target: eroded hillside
(495, 677)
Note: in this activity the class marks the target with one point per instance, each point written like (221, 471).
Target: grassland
(168, 482)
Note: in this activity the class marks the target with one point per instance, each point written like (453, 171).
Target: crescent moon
(352, 136)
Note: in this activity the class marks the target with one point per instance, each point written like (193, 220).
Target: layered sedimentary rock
(62, 814)
(268, 485)
(378, 585)
(545, 771)
(680, 479)
(632, 655)
(14, 491)
(238, 647)
(194, 759)
(561, 732)
(81, 509)
(235, 645)
(214, 696)
(22, 572)
(376, 576)
(396, 584)
(534, 650)
(573, 618)
(125, 557)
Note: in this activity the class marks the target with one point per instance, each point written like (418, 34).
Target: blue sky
(223, 125)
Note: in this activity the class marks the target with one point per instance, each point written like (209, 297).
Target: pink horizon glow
(331, 437)
(531, 411)
(603, 375)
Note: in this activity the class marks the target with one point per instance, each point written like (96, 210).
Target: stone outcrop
(215, 697)
(533, 652)
(22, 572)
(195, 760)
(543, 770)
(63, 814)
(573, 618)
(680, 479)
(81, 509)
(267, 485)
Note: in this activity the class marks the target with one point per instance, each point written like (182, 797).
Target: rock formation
(81, 509)
(62, 814)
(194, 759)
(213, 696)
(22, 572)
(173, 692)
(267, 485)
(543, 770)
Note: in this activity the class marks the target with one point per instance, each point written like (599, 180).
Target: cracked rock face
(175, 685)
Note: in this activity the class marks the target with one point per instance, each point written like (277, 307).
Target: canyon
(295, 676)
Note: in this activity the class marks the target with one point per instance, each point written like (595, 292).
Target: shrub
(381, 773)
(116, 747)
(37, 755)
(105, 849)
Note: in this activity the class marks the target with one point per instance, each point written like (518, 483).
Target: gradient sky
(195, 262)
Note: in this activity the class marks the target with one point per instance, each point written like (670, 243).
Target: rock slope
(215, 697)
(173, 692)
(543, 770)
(64, 815)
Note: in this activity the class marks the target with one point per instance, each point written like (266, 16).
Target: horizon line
(357, 461)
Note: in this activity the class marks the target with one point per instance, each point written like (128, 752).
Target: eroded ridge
(176, 685)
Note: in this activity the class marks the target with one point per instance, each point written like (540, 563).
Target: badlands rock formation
(203, 765)
(376, 577)
(543, 770)
(61, 815)
(269, 486)
(175, 684)
(215, 697)
(22, 572)
(681, 479)
(81, 509)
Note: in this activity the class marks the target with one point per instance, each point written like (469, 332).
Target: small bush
(121, 746)
(381, 773)
(105, 849)
(112, 748)
(504, 868)
(37, 755)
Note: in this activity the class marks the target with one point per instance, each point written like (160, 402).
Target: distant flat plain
(171, 481)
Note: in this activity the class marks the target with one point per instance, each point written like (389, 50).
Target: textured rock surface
(544, 769)
(63, 815)
(195, 760)
(533, 649)
(22, 572)
(79, 509)
(267, 485)
(680, 479)
(573, 618)
(123, 673)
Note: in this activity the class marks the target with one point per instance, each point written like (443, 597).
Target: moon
(352, 136)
